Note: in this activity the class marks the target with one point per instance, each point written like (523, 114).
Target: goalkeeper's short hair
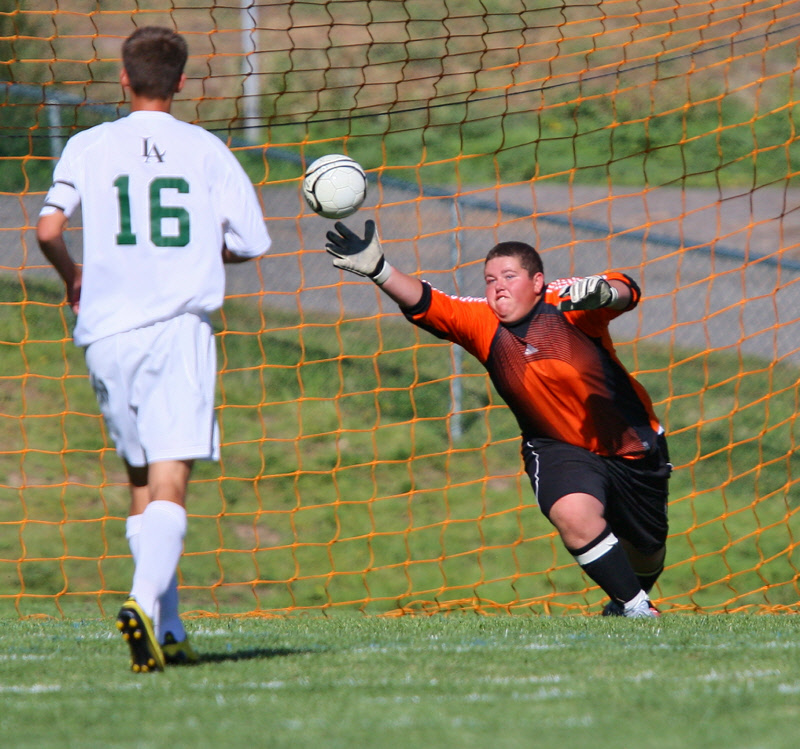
(528, 257)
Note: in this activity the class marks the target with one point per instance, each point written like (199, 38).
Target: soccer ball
(335, 186)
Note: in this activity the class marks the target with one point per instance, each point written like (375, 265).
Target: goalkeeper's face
(510, 291)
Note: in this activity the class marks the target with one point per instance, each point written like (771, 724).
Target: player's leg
(637, 510)
(167, 623)
(156, 388)
(647, 566)
(138, 628)
(570, 484)
(177, 424)
(161, 533)
(579, 519)
(165, 616)
(112, 363)
(156, 539)
(140, 496)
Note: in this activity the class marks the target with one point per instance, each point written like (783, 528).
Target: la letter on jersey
(150, 151)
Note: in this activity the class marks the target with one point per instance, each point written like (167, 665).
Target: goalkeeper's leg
(648, 567)
(572, 485)
(605, 561)
(602, 557)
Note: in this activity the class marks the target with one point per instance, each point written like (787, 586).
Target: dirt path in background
(707, 296)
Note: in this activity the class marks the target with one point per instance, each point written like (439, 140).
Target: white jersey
(159, 197)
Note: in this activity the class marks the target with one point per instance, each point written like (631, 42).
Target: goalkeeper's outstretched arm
(364, 257)
(403, 289)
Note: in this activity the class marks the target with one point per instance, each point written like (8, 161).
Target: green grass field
(460, 680)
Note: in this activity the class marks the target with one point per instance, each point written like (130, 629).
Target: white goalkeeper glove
(591, 292)
(357, 255)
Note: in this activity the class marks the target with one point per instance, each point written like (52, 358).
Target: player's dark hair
(154, 58)
(528, 258)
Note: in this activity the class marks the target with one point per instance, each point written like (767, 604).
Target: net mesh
(367, 465)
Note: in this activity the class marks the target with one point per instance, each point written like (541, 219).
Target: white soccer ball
(335, 186)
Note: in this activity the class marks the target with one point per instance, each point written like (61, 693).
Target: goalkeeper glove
(591, 292)
(361, 256)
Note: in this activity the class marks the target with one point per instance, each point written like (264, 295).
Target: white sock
(133, 526)
(166, 618)
(169, 619)
(160, 544)
(639, 600)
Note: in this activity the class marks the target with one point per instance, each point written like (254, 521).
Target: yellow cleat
(137, 631)
(177, 653)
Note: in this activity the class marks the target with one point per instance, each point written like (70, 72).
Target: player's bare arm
(50, 235)
(403, 289)
(623, 294)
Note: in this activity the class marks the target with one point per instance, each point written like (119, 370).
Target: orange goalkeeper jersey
(557, 371)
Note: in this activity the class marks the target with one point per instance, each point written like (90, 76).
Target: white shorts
(155, 387)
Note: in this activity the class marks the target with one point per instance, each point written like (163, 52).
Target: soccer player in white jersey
(164, 205)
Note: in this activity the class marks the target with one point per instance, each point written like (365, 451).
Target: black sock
(605, 561)
(647, 581)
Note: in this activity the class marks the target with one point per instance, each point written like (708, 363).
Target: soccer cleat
(643, 610)
(137, 631)
(178, 653)
(613, 608)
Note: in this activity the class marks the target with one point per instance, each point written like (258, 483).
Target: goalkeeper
(592, 446)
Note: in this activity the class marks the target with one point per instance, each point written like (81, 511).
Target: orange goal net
(365, 464)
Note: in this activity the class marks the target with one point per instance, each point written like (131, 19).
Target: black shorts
(633, 492)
